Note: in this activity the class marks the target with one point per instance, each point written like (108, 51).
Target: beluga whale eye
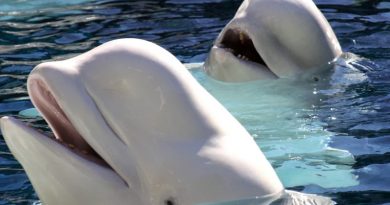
(170, 201)
(241, 45)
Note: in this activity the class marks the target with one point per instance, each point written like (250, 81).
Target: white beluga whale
(132, 126)
(270, 39)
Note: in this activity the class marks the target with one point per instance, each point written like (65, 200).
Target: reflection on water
(345, 122)
(11, 8)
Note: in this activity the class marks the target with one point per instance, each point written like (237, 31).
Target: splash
(284, 198)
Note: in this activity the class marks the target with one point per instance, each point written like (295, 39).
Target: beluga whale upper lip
(270, 39)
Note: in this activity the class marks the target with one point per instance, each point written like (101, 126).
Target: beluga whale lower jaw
(270, 39)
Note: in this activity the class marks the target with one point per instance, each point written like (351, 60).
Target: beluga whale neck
(269, 39)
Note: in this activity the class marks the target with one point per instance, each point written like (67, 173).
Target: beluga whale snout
(269, 39)
(132, 126)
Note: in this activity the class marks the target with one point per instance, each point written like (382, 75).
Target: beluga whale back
(132, 126)
(270, 39)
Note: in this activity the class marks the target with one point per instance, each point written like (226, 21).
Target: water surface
(330, 137)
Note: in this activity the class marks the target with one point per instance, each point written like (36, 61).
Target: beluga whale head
(132, 126)
(270, 39)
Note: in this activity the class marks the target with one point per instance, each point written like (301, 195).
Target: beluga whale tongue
(270, 39)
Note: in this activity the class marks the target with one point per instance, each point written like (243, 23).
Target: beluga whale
(132, 126)
(269, 39)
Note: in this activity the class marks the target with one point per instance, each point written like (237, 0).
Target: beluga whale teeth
(240, 45)
(270, 39)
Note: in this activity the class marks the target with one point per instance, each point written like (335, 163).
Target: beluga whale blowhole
(269, 39)
(132, 126)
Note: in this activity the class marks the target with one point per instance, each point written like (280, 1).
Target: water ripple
(351, 114)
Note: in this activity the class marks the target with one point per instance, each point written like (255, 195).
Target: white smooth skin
(292, 37)
(165, 136)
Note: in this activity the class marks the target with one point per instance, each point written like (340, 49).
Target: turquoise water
(331, 137)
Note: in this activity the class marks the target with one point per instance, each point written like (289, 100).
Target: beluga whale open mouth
(270, 39)
(64, 131)
(132, 126)
(236, 47)
(238, 43)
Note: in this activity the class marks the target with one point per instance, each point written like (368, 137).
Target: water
(330, 137)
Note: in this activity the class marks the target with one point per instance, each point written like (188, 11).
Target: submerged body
(270, 39)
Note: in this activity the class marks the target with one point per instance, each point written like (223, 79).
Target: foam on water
(284, 198)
